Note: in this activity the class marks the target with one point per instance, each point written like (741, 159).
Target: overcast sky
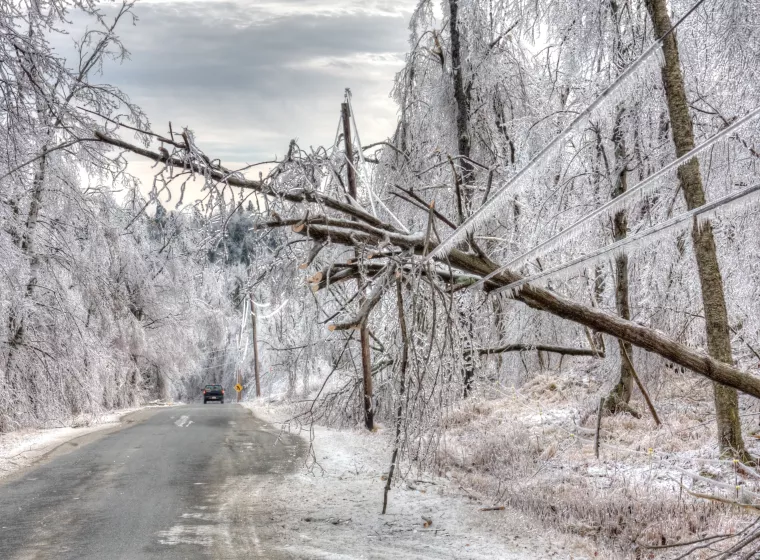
(247, 76)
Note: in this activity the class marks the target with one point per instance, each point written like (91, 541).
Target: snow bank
(330, 508)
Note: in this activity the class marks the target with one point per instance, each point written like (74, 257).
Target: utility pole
(349, 148)
(255, 349)
(369, 413)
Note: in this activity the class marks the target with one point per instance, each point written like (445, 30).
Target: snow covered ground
(23, 448)
(533, 447)
(332, 509)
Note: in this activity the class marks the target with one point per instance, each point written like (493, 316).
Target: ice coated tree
(519, 121)
(103, 306)
(617, 31)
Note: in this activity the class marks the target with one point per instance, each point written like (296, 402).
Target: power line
(489, 207)
(615, 203)
(662, 227)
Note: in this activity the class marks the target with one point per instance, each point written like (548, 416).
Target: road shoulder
(23, 449)
(331, 509)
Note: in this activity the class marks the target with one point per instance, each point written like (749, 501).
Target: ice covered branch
(223, 175)
(368, 305)
(540, 348)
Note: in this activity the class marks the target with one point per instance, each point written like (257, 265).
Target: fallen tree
(357, 228)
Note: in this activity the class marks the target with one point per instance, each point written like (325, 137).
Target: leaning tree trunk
(713, 298)
(368, 230)
(401, 388)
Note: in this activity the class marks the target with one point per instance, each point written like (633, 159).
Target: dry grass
(531, 449)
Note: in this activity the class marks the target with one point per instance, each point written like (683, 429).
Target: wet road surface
(158, 488)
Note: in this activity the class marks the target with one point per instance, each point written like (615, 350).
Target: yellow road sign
(238, 387)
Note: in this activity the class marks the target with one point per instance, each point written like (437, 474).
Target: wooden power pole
(346, 113)
(369, 413)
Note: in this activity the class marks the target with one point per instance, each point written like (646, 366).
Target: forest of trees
(109, 299)
(569, 182)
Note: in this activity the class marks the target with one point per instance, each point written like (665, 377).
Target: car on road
(213, 393)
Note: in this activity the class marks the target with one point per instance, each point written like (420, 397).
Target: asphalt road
(160, 487)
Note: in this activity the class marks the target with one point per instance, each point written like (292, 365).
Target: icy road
(157, 488)
(213, 481)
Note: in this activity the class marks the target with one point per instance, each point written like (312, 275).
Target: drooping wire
(633, 191)
(489, 207)
(637, 237)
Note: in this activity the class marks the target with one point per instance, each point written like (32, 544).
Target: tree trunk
(464, 146)
(620, 395)
(521, 347)
(713, 297)
(597, 339)
(369, 411)
(462, 100)
(16, 321)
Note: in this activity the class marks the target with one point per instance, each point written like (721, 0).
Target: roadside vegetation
(542, 285)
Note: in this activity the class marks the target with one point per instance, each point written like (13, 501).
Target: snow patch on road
(200, 535)
(198, 516)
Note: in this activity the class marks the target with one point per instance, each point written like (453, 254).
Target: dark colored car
(213, 393)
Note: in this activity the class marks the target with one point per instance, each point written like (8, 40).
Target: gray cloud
(249, 77)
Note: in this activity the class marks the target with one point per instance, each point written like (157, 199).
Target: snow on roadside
(332, 510)
(23, 448)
